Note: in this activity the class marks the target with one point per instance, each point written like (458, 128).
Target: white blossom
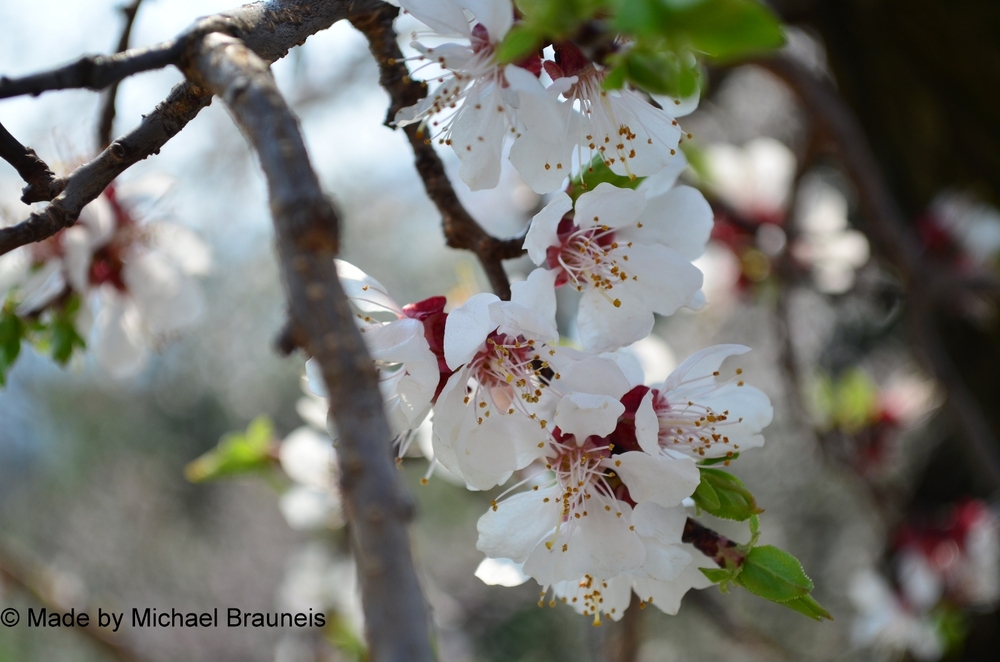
(628, 251)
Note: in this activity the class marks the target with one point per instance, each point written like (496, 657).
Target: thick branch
(460, 229)
(107, 115)
(35, 172)
(270, 29)
(306, 228)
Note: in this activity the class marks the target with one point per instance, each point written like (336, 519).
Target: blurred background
(868, 475)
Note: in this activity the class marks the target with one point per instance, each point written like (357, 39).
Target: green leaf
(706, 497)
(717, 575)
(62, 335)
(599, 173)
(773, 574)
(12, 330)
(237, 453)
(340, 634)
(519, 43)
(808, 606)
(725, 30)
(712, 461)
(723, 495)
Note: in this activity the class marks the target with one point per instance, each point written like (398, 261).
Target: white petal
(183, 246)
(702, 364)
(538, 293)
(604, 327)
(665, 280)
(444, 16)
(495, 15)
(662, 480)
(42, 287)
(78, 257)
(477, 135)
(666, 596)
(652, 520)
(515, 320)
(168, 299)
(367, 294)
(542, 232)
(543, 154)
(584, 414)
(606, 546)
(307, 508)
(589, 374)
(518, 523)
(609, 205)
(467, 328)
(117, 340)
(680, 219)
(615, 593)
(663, 562)
(501, 572)
(308, 458)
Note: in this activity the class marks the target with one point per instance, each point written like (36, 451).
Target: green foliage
(723, 495)
(12, 331)
(340, 635)
(712, 461)
(807, 606)
(663, 38)
(62, 336)
(237, 453)
(599, 173)
(847, 403)
(54, 332)
(773, 574)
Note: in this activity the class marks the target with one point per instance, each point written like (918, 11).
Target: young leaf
(63, 338)
(773, 574)
(12, 330)
(599, 173)
(716, 575)
(237, 453)
(712, 461)
(728, 499)
(706, 497)
(809, 607)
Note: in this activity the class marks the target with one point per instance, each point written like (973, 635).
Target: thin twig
(715, 546)
(94, 72)
(306, 226)
(269, 29)
(31, 581)
(460, 229)
(107, 116)
(35, 172)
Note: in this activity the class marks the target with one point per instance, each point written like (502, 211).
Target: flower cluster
(122, 285)
(603, 462)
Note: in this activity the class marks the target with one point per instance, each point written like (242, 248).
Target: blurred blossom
(136, 275)
(885, 623)
(322, 581)
(826, 244)
(755, 180)
(960, 226)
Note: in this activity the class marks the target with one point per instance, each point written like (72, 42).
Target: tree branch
(269, 29)
(94, 72)
(35, 172)
(32, 582)
(306, 227)
(107, 115)
(460, 229)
